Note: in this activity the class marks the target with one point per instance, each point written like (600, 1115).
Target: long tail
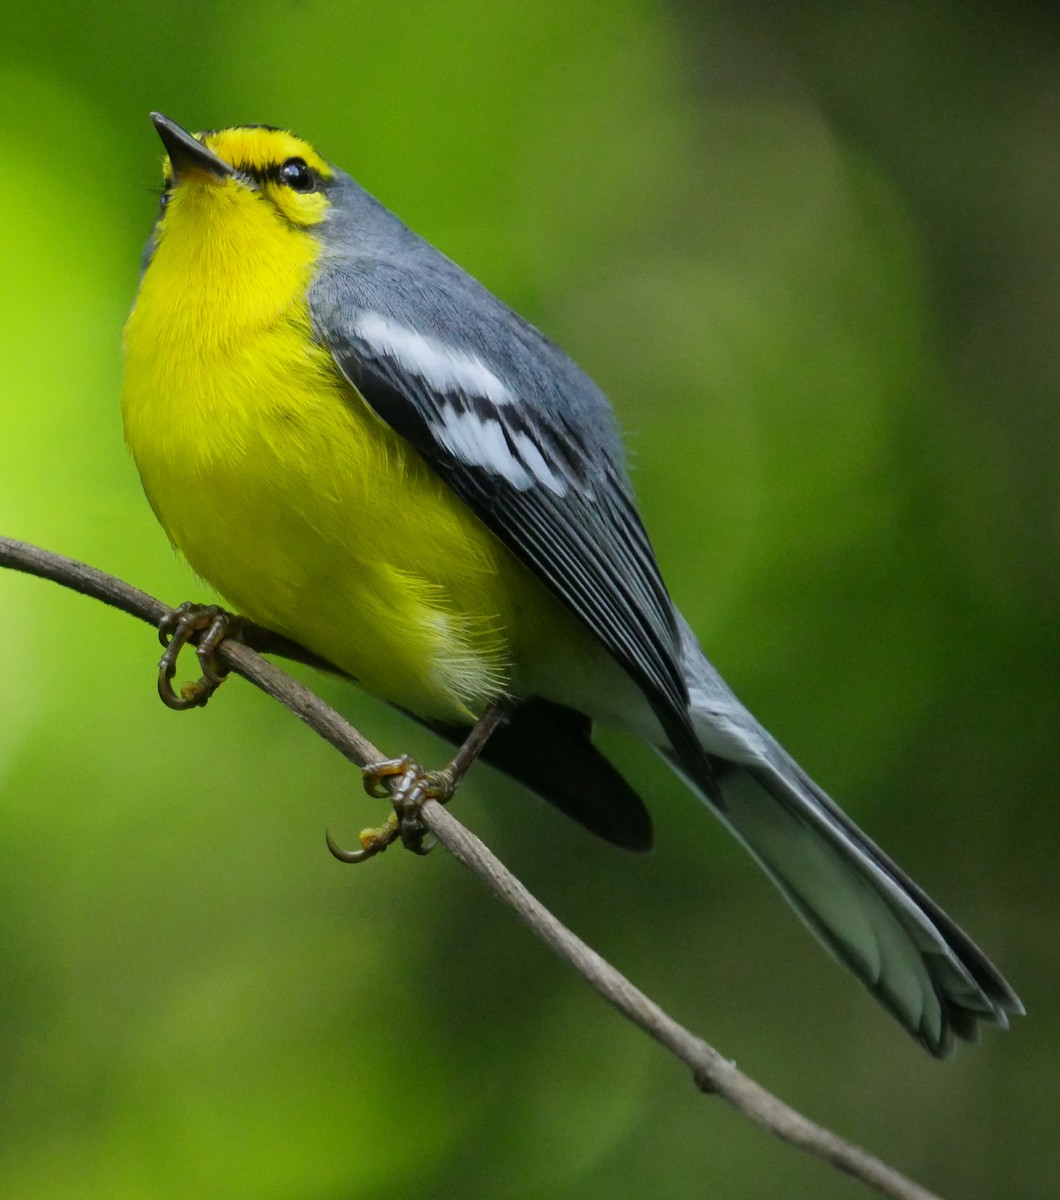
(868, 913)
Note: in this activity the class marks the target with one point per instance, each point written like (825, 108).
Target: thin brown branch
(710, 1070)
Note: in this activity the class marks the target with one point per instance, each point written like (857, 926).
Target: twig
(710, 1070)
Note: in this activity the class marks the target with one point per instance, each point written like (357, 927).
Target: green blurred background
(812, 252)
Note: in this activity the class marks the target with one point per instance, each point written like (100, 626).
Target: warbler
(364, 450)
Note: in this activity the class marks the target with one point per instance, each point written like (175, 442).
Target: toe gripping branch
(409, 786)
(207, 626)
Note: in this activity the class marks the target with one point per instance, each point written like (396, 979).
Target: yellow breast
(282, 489)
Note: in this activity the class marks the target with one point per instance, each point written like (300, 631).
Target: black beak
(187, 154)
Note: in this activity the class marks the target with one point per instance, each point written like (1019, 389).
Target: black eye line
(256, 176)
(252, 177)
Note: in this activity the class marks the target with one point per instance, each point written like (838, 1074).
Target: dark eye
(296, 174)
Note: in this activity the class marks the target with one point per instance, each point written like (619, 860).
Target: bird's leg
(210, 625)
(408, 785)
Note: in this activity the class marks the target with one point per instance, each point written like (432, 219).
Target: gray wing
(523, 437)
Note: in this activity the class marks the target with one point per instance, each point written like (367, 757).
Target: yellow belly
(309, 515)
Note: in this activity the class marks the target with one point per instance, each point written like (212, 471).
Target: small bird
(365, 451)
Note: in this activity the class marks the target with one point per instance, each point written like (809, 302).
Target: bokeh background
(812, 251)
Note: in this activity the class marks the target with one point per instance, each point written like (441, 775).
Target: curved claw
(387, 768)
(414, 834)
(192, 695)
(213, 672)
(344, 855)
(373, 842)
(176, 629)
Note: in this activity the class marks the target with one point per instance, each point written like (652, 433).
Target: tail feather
(866, 911)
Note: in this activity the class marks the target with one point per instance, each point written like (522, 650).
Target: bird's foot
(207, 626)
(408, 786)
